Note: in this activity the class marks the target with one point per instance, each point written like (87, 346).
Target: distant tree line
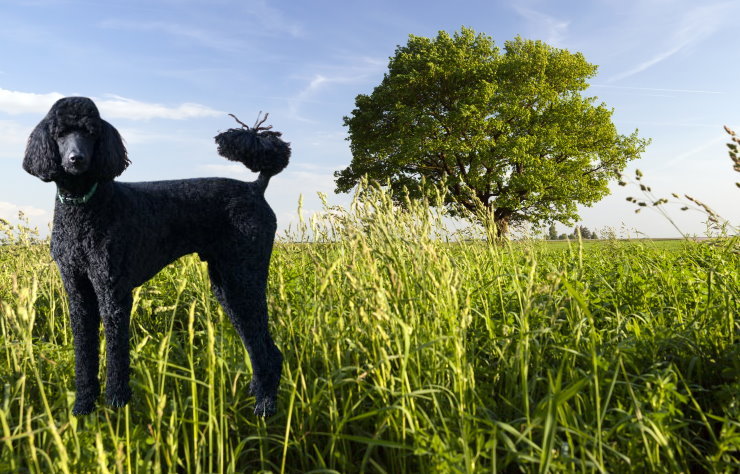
(552, 233)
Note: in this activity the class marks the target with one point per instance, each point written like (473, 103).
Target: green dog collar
(78, 200)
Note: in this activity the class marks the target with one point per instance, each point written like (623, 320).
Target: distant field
(667, 244)
(402, 354)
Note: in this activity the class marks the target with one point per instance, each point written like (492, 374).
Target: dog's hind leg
(85, 321)
(240, 287)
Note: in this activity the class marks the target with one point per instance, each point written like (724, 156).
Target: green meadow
(655, 244)
(405, 351)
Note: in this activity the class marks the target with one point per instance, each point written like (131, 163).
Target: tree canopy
(507, 132)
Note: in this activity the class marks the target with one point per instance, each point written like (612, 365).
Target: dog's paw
(118, 398)
(265, 407)
(266, 404)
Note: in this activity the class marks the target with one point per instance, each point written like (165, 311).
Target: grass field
(654, 244)
(403, 353)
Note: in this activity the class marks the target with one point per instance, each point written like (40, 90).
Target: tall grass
(404, 351)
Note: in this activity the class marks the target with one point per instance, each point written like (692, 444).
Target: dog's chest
(78, 246)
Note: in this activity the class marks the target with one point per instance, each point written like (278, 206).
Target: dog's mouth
(76, 168)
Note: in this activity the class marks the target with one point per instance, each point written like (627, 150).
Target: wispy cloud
(204, 38)
(693, 26)
(311, 90)
(359, 70)
(256, 18)
(273, 20)
(698, 152)
(16, 103)
(657, 89)
(649, 63)
(550, 29)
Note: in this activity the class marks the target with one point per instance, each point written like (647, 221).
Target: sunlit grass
(403, 353)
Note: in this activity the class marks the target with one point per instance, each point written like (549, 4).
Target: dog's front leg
(116, 313)
(85, 322)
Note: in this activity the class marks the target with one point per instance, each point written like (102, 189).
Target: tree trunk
(497, 227)
(502, 227)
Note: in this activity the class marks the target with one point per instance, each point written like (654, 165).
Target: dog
(109, 237)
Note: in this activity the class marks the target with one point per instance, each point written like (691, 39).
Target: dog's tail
(260, 149)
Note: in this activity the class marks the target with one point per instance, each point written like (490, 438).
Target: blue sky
(166, 73)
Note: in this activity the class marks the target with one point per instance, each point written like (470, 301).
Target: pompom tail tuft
(260, 150)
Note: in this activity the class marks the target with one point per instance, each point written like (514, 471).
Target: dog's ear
(111, 158)
(42, 155)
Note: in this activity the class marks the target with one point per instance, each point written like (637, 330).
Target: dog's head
(72, 140)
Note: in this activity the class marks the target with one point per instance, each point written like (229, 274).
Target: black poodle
(109, 237)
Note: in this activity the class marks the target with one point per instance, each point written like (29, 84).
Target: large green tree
(506, 132)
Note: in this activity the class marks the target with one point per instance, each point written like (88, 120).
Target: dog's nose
(74, 158)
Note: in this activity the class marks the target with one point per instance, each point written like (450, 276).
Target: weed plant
(407, 349)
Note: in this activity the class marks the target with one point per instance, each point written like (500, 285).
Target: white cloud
(137, 136)
(121, 107)
(9, 211)
(15, 102)
(40, 219)
(232, 170)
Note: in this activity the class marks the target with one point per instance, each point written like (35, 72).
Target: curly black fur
(260, 151)
(109, 237)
